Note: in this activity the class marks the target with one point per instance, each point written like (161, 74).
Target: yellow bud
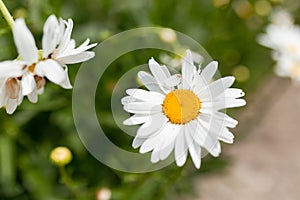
(61, 156)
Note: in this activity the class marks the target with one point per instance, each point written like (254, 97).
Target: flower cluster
(283, 37)
(27, 75)
(181, 112)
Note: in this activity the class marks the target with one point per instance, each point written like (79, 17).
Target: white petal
(20, 97)
(209, 71)
(216, 150)
(128, 99)
(3, 96)
(173, 81)
(188, 70)
(151, 143)
(166, 71)
(41, 90)
(66, 83)
(76, 58)
(154, 142)
(234, 93)
(52, 35)
(157, 71)
(28, 84)
(137, 142)
(168, 145)
(195, 151)
(11, 106)
(66, 37)
(229, 103)
(24, 41)
(71, 50)
(180, 149)
(194, 148)
(219, 86)
(146, 96)
(227, 120)
(33, 96)
(142, 108)
(226, 136)
(52, 70)
(154, 124)
(149, 81)
(136, 119)
(196, 131)
(11, 68)
(200, 132)
(155, 156)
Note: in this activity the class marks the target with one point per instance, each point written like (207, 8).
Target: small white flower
(182, 112)
(282, 39)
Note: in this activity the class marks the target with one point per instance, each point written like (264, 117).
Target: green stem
(68, 181)
(7, 16)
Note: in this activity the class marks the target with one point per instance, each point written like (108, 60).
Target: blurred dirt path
(264, 160)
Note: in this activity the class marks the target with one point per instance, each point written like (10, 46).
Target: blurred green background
(226, 28)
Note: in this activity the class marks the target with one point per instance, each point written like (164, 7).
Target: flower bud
(168, 35)
(61, 156)
(103, 194)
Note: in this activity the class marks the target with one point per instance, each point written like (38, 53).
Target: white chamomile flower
(282, 39)
(182, 112)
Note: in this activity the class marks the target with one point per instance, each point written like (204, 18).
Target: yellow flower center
(181, 106)
(32, 67)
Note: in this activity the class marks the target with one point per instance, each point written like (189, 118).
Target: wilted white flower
(26, 75)
(182, 112)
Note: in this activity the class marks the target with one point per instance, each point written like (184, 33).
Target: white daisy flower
(282, 39)
(182, 112)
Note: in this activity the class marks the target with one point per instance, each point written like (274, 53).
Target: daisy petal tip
(198, 165)
(127, 122)
(243, 102)
(144, 150)
(154, 158)
(152, 62)
(180, 162)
